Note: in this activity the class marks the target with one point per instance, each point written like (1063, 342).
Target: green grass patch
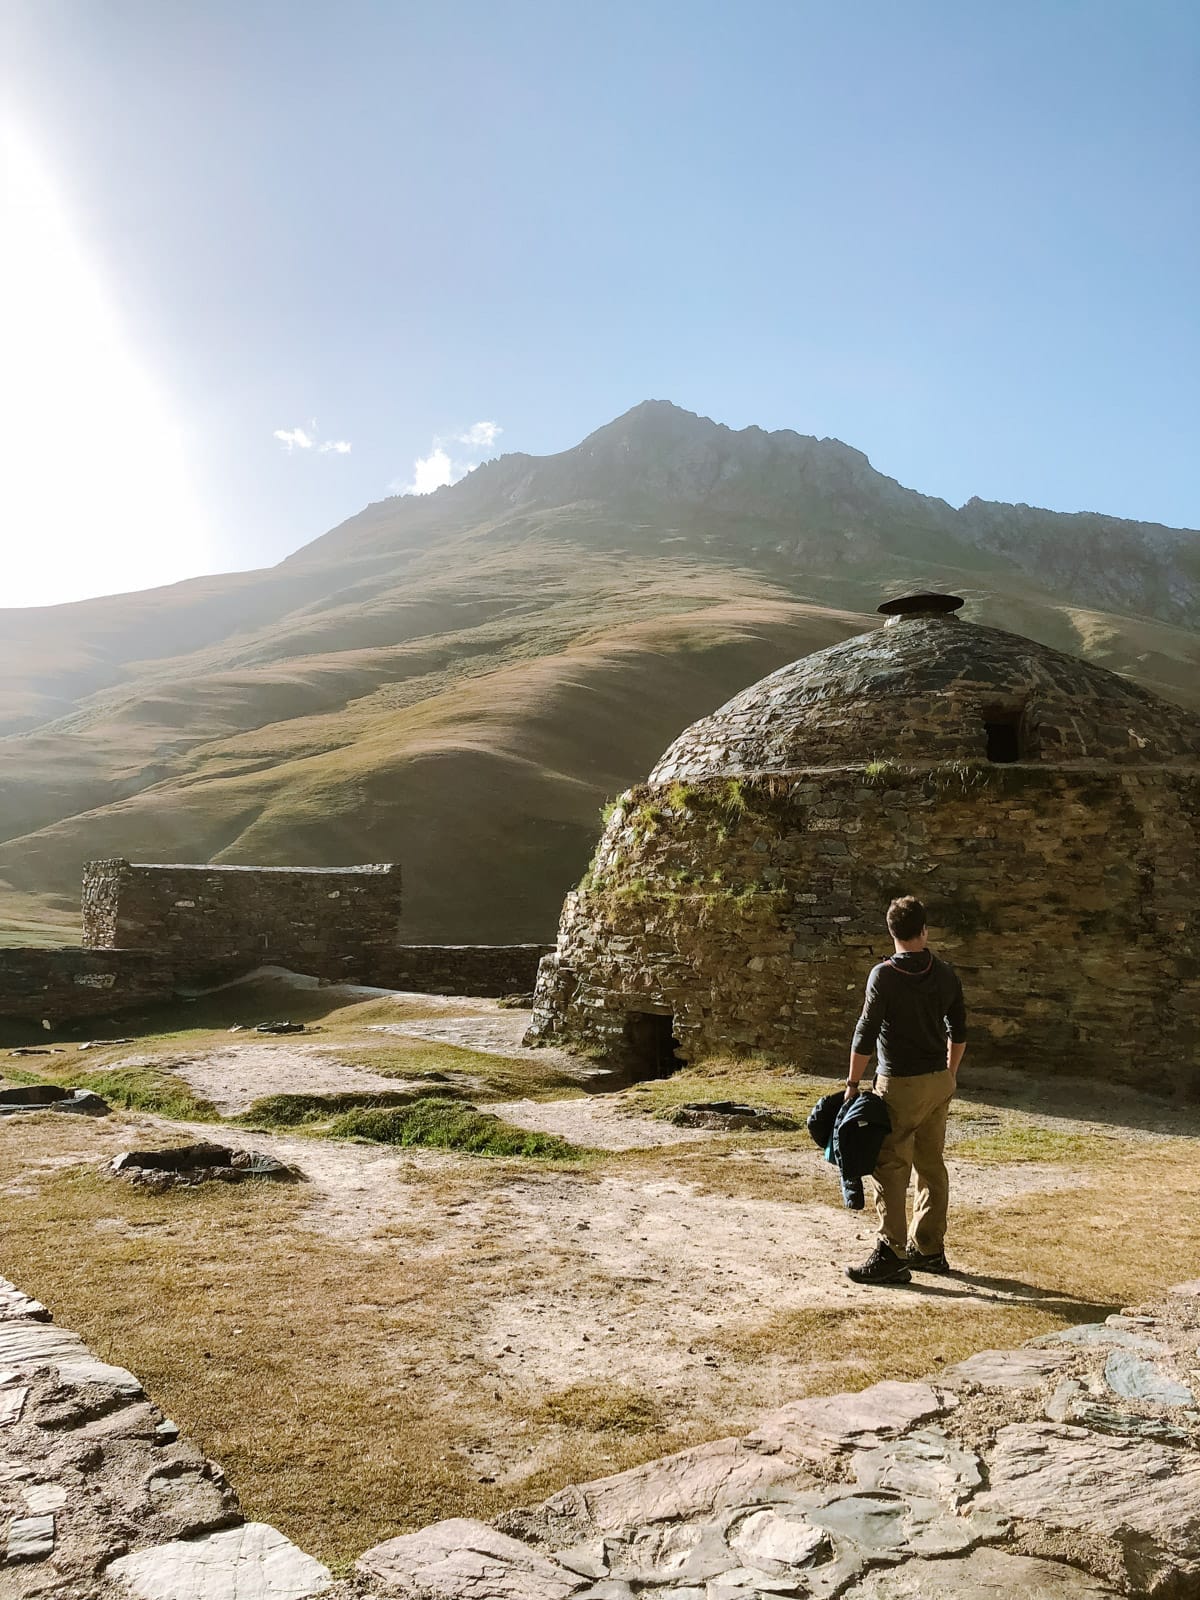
(148, 1089)
(476, 1073)
(132, 1088)
(1019, 1142)
(758, 1083)
(449, 1125)
(297, 1110)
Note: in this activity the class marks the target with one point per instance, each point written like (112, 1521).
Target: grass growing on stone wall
(449, 1125)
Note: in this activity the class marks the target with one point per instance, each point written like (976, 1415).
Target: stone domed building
(1045, 810)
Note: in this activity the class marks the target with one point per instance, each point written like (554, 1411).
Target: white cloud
(482, 435)
(432, 472)
(440, 468)
(293, 439)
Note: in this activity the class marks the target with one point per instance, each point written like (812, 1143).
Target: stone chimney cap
(927, 604)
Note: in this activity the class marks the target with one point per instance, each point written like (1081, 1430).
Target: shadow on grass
(1080, 1099)
(964, 1285)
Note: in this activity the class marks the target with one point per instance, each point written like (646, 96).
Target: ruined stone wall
(487, 970)
(336, 922)
(56, 986)
(68, 985)
(751, 911)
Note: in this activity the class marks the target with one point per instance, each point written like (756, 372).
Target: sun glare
(95, 488)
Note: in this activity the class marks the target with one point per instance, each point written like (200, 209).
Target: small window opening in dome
(653, 1047)
(1003, 729)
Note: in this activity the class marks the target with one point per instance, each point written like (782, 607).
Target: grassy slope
(357, 703)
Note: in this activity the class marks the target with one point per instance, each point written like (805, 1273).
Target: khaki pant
(918, 1108)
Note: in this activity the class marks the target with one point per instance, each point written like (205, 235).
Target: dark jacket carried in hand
(851, 1132)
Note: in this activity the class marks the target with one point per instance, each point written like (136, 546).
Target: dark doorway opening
(653, 1047)
(1003, 730)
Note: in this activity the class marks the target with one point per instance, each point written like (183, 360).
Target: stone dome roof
(931, 688)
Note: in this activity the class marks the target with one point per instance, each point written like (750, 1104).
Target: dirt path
(497, 1031)
(235, 1077)
(598, 1123)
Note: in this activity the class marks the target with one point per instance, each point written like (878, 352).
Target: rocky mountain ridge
(537, 633)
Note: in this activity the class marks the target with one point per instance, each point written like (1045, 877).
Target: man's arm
(858, 1066)
(865, 1036)
(956, 1030)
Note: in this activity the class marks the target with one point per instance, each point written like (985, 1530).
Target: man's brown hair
(906, 918)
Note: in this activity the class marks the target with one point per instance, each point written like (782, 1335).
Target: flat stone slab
(1142, 1497)
(983, 1575)
(668, 1552)
(15, 1305)
(771, 1539)
(30, 1538)
(883, 1524)
(692, 1483)
(925, 1463)
(40, 1344)
(1099, 1335)
(1007, 1369)
(41, 1498)
(1070, 1402)
(12, 1403)
(459, 1559)
(251, 1562)
(1134, 1378)
(815, 1427)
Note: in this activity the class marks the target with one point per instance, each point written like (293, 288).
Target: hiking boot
(932, 1263)
(883, 1265)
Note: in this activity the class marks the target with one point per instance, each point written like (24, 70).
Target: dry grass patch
(758, 1083)
(1021, 1141)
(849, 1347)
(601, 1408)
(1123, 1235)
(358, 1386)
(339, 1386)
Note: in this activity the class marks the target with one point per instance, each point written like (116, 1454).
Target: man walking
(915, 1022)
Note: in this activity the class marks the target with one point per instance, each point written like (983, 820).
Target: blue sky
(961, 237)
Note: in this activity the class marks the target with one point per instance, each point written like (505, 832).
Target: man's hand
(853, 1090)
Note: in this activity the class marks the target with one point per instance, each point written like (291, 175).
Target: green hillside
(458, 682)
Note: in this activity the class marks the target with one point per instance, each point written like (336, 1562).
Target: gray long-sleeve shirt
(914, 1003)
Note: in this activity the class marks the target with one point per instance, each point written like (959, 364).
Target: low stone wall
(57, 986)
(68, 985)
(750, 911)
(335, 922)
(487, 970)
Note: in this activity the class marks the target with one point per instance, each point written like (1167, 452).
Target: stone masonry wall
(335, 922)
(486, 970)
(58, 986)
(923, 689)
(68, 985)
(751, 911)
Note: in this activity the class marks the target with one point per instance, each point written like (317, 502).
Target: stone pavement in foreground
(1067, 1469)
